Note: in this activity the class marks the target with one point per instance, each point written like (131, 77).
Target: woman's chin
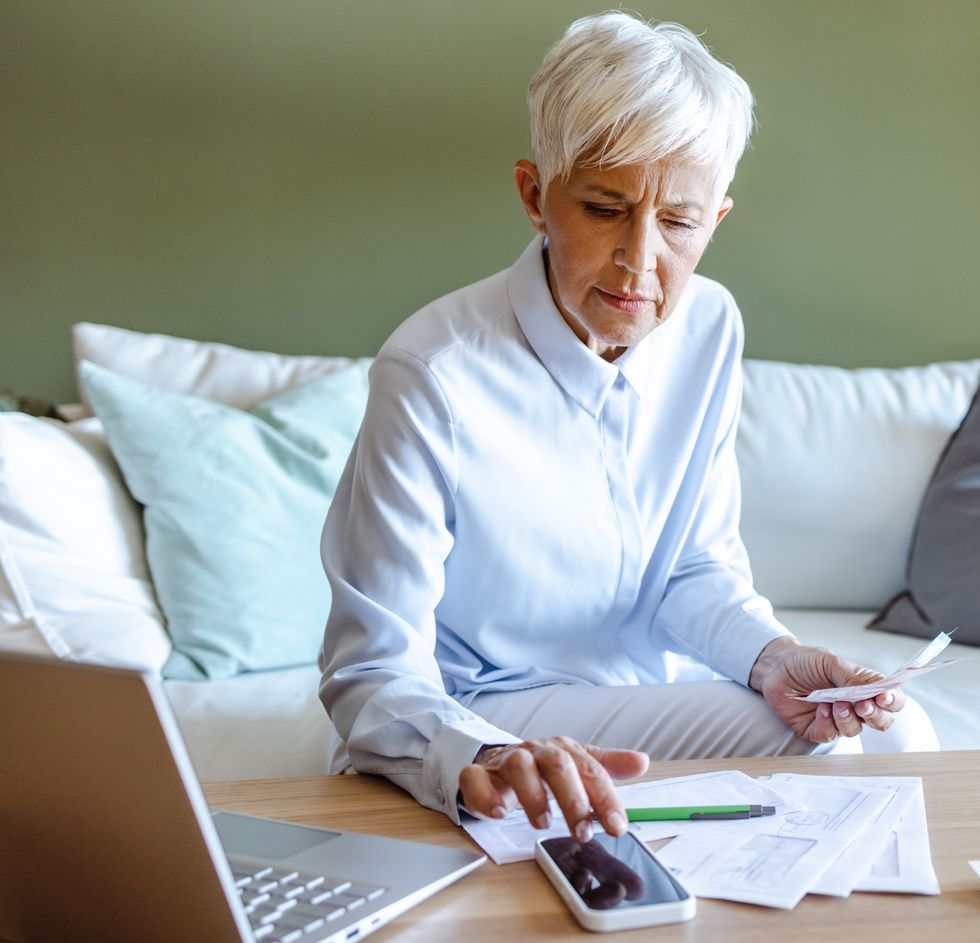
(627, 334)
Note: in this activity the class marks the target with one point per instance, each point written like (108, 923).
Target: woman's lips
(631, 304)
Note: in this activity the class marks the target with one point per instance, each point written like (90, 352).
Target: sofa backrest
(834, 465)
(834, 462)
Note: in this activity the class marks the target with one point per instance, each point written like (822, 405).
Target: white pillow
(212, 371)
(834, 465)
(73, 575)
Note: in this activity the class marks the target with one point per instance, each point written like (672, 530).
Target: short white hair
(617, 90)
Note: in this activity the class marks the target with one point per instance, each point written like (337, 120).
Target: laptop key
(280, 900)
(335, 884)
(262, 931)
(255, 900)
(350, 901)
(305, 923)
(265, 914)
(367, 891)
(305, 916)
(289, 929)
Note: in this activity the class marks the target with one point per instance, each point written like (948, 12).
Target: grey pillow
(944, 564)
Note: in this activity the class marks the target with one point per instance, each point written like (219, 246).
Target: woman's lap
(686, 720)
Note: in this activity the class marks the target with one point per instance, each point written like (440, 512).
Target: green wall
(299, 176)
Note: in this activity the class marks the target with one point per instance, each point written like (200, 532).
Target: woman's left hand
(785, 667)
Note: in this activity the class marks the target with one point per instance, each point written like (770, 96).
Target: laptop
(105, 833)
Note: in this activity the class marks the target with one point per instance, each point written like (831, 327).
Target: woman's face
(622, 243)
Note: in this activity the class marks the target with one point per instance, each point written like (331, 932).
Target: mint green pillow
(234, 502)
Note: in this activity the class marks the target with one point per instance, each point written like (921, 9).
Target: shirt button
(440, 795)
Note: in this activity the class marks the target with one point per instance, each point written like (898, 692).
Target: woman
(537, 531)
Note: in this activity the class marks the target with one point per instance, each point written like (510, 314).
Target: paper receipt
(919, 664)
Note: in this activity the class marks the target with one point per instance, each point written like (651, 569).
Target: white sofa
(834, 464)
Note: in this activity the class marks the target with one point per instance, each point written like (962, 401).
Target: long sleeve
(384, 547)
(710, 608)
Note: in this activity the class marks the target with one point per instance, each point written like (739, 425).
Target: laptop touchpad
(258, 838)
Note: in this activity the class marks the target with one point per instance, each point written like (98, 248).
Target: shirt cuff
(453, 748)
(744, 640)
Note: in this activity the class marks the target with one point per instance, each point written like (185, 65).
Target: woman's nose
(639, 248)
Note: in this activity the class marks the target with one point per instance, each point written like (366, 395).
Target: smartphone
(612, 883)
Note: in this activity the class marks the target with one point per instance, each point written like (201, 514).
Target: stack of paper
(845, 834)
(830, 835)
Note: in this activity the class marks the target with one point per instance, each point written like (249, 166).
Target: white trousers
(682, 721)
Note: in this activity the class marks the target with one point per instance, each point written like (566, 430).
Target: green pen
(699, 812)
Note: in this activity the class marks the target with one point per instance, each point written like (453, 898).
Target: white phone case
(619, 918)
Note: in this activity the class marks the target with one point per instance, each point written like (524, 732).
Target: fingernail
(498, 812)
(583, 832)
(824, 710)
(616, 823)
(844, 712)
(543, 820)
(864, 709)
(887, 698)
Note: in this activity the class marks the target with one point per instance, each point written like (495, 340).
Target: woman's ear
(726, 204)
(528, 182)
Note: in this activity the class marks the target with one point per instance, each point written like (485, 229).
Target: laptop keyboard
(286, 906)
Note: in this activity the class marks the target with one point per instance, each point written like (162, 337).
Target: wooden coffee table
(515, 903)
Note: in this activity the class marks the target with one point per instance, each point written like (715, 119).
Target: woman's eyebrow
(604, 191)
(684, 204)
(681, 203)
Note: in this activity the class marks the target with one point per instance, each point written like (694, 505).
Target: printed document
(856, 860)
(777, 865)
(904, 864)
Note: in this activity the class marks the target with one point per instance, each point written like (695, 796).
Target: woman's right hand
(579, 775)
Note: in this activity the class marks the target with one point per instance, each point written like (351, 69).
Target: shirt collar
(582, 374)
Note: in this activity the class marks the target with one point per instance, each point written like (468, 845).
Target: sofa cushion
(943, 590)
(260, 725)
(73, 575)
(234, 503)
(195, 368)
(834, 464)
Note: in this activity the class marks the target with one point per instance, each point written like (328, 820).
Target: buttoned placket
(614, 420)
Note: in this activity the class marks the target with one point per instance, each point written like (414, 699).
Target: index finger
(592, 765)
(893, 700)
(560, 771)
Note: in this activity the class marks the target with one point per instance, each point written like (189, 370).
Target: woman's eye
(600, 211)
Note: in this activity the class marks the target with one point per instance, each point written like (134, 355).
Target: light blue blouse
(518, 511)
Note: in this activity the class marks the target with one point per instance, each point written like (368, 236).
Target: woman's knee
(911, 732)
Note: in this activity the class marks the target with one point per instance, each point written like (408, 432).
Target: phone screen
(609, 872)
